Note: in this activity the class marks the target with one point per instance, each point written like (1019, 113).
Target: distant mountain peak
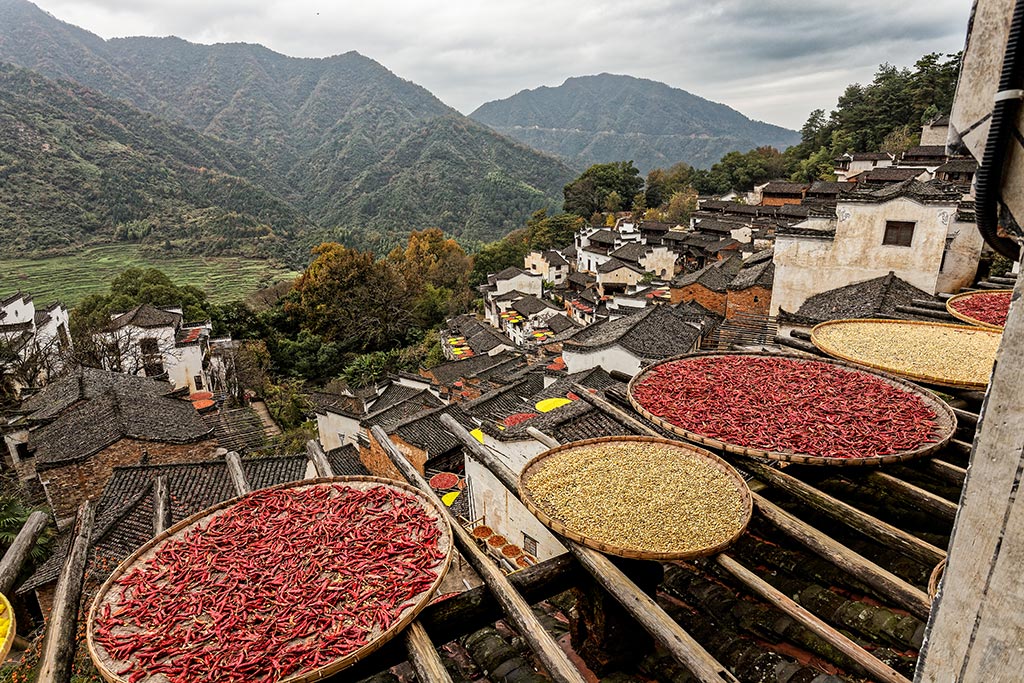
(610, 117)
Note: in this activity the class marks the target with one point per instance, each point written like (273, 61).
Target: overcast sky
(774, 60)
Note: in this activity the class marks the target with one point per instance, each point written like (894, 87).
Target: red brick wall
(713, 301)
(379, 464)
(779, 201)
(755, 300)
(70, 485)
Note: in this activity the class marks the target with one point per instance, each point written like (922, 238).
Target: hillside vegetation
(604, 118)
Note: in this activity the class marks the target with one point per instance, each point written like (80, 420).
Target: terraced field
(70, 278)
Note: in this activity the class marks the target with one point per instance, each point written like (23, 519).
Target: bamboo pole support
(945, 471)
(237, 474)
(60, 642)
(14, 558)
(512, 603)
(630, 422)
(925, 500)
(423, 656)
(891, 586)
(845, 513)
(877, 669)
(161, 504)
(638, 604)
(541, 437)
(319, 459)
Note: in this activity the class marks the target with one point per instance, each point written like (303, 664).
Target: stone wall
(713, 301)
(70, 485)
(753, 301)
(379, 464)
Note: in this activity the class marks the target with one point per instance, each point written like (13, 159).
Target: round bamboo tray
(945, 418)
(968, 319)
(106, 665)
(934, 579)
(559, 527)
(816, 339)
(7, 637)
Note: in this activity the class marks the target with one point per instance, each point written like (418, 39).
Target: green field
(70, 278)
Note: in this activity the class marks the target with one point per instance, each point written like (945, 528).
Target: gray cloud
(774, 60)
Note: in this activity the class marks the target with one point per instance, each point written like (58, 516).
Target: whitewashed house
(912, 229)
(39, 337)
(510, 280)
(550, 265)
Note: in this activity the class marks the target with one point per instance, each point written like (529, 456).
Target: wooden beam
(237, 474)
(796, 344)
(319, 459)
(925, 500)
(878, 670)
(845, 513)
(538, 436)
(60, 642)
(887, 584)
(161, 504)
(630, 422)
(513, 605)
(945, 471)
(680, 644)
(423, 656)
(16, 555)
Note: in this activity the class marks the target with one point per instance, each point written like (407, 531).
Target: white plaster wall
(336, 430)
(805, 266)
(609, 358)
(525, 283)
(183, 364)
(619, 276)
(19, 311)
(962, 256)
(660, 261)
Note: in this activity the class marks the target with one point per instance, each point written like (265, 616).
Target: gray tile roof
(555, 259)
(560, 323)
(238, 429)
(757, 271)
(530, 305)
(715, 276)
(603, 236)
(119, 412)
(416, 404)
(82, 384)
(631, 252)
(878, 297)
(145, 315)
(958, 166)
(392, 394)
(345, 461)
(427, 433)
(653, 333)
(911, 188)
(613, 264)
(449, 372)
(891, 174)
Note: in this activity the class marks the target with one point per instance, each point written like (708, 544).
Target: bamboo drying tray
(559, 527)
(968, 319)
(945, 418)
(7, 637)
(817, 335)
(106, 665)
(934, 578)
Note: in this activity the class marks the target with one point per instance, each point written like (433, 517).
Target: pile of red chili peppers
(784, 405)
(283, 582)
(988, 308)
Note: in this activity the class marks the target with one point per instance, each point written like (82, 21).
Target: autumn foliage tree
(435, 270)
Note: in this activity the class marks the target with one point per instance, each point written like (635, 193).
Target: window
(898, 233)
(149, 346)
(529, 544)
(198, 380)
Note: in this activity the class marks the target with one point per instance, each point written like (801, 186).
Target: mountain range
(607, 117)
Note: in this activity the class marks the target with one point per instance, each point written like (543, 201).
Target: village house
(707, 286)
(507, 285)
(550, 265)
(848, 166)
(912, 229)
(77, 429)
(149, 341)
(750, 291)
(39, 338)
(615, 276)
(780, 192)
(625, 344)
(657, 260)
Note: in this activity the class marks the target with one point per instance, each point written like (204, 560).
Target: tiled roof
(119, 412)
(925, 151)
(757, 271)
(631, 252)
(604, 236)
(784, 187)
(418, 403)
(427, 433)
(560, 323)
(581, 278)
(715, 276)
(509, 273)
(891, 174)
(238, 429)
(392, 394)
(829, 188)
(530, 305)
(911, 188)
(958, 166)
(871, 298)
(124, 515)
(554, 259)
(573, 422)
(322, 401)
(345, 461)
(595, 378)
(613, 264)
(86, 383)
(446, 373)
(653, 333)
(145, 315)
(870, 156)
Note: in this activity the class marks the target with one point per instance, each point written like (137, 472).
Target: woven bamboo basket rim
(101, 660)
(560, 527)
(945, 418)
(968, 319)
(934, 578)
(917, 377)
(8, 636)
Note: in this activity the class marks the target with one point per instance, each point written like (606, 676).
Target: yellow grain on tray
(943, 354)
(645, 497)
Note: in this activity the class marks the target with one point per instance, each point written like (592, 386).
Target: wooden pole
(878, 670)
(61, 629)
(844, 513)
(423, 656)
(541, 437)
(14, 558)
(638, 604)
(945, 471)
(891, 586)
(630, 422)
(512, 603)
(925, 500)
(237, 474)
(161, 504)
(319, 459)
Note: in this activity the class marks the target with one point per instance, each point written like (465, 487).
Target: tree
(590, 191)
(680, 206)
(613, 202)
(436, 273)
